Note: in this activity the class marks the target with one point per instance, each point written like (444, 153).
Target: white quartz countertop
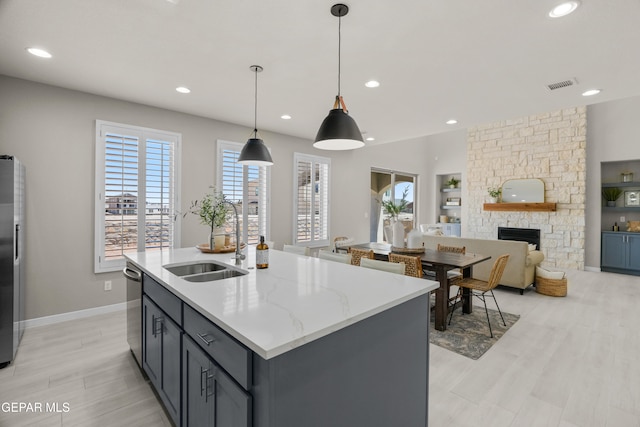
(296, 300)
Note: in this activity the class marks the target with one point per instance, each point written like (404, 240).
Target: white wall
(52, 131)
(424, 156)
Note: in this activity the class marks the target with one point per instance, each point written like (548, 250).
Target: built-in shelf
(450, 190)
(620, 184)
(621, 208)
(528, 207)
(450, 207)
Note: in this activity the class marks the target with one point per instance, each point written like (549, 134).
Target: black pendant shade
(338, 131)
(255, 153)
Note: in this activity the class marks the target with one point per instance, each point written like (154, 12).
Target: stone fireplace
(549, 146)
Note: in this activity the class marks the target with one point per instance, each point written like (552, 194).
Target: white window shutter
(311, 200)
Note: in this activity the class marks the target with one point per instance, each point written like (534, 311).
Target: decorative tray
(407, 250)
(204, 248)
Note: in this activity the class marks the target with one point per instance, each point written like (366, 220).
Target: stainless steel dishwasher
(134, 311)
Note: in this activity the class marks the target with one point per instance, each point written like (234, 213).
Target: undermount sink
(195, 268)
(214, 275)
(204, 271)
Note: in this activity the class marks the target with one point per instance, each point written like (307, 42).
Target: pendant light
(338, 130)
(254, 151)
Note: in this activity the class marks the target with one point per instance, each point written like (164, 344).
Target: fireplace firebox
(529, 235)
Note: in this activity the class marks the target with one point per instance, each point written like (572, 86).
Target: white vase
(493, 200)
(218, 238)
(398, 234)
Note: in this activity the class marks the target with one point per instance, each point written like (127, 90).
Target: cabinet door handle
(206, 384)
(154, 321)
(204, 339)
(203, 373)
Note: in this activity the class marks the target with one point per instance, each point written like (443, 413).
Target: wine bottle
(262, 254)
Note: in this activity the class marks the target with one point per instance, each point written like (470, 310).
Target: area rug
(468, 334)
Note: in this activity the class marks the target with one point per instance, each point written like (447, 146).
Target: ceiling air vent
(560, 85)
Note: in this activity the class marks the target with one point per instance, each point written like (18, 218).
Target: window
(248, 188)
(136, 192)
(311, 200)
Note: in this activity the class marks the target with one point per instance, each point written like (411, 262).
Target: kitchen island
(305, 342)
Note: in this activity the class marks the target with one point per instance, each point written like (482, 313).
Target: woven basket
(551, 287)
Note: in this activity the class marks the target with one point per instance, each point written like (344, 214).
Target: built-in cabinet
(211, 358)
(162, 338)
(211, 397)
(196, 388)
(621, 252)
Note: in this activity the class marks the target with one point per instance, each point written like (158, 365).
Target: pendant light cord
(339, 50)
(255, 108)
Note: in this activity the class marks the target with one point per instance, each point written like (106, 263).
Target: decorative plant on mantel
(211, 210)
(611, 194)
(393, 209)
(494, 193)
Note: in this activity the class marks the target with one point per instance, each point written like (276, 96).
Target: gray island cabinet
(307, 342)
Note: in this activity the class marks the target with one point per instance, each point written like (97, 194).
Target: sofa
(520, 270)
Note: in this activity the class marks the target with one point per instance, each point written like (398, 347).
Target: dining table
(440, 263)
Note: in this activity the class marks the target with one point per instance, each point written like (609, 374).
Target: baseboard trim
(595, 269)
(74, 315)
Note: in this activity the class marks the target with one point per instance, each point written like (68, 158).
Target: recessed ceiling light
(451, 122)
(563, 9)
(591, 92)
(372, 83)
(38, 52)
(370, 138)
(183, 89)
(285, 117)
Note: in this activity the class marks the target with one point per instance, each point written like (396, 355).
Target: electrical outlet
(622, 219)
(107, 285)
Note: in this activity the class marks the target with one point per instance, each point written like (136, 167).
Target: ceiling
(475, 61)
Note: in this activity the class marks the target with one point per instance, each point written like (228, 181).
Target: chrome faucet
(239, 255)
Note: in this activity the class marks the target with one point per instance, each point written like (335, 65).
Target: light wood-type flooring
(568, 362)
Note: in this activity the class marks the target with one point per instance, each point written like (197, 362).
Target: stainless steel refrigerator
(11, 257)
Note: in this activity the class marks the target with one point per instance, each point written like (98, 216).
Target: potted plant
(453, 182)
(611, 194)
(393, 209)
(212, 212)
(494, 194)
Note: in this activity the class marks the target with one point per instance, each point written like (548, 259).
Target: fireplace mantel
(527, 207)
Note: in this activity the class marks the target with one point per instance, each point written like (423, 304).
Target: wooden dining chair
(413, 264)
(341, 243)
(334, 256)
(391, 267)
(479, 288)
(356, 254)
(455, 249)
